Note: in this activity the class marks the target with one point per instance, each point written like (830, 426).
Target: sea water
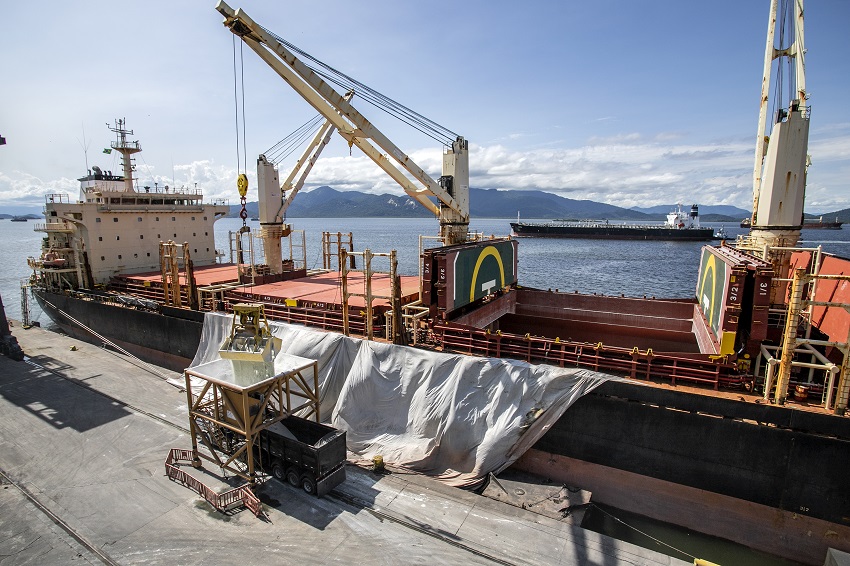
(612, 267)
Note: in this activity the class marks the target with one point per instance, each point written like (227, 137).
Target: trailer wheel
(308, 484)
(277, 470)
(292, 477)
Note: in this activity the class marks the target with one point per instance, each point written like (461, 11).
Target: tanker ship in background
(680, 225)
(733, 402)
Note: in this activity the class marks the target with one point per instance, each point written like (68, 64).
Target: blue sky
(630, 103)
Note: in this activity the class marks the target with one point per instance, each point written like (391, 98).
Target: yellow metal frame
(228, 418)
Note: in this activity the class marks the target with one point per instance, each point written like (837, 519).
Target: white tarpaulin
(450, 416)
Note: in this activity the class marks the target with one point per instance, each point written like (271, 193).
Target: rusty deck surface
(326, 288)
(204, 275)
(322, 288)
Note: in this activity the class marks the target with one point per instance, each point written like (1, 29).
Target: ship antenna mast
(127, 149)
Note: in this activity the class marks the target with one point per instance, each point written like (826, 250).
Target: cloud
(626, 170)
(20, 188)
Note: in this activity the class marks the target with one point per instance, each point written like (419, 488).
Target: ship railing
(60, 226)
(314, 315)
(166, 190)
(60, 198)
(121, 300)
(223, 502)
(635, 363)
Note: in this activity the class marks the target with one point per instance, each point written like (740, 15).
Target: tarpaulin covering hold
(450, 416)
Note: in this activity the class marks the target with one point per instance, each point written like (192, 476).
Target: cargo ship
(808, 223)
(680, 225)
(723, 409)
(823, 224)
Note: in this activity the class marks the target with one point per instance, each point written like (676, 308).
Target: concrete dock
(84, 433)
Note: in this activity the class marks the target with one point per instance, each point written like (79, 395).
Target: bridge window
(97, 219)
(115, 219)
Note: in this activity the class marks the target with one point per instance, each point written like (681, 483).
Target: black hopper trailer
(304, 453)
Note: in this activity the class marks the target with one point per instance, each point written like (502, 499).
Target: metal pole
(843, 387)
(789, 341)
(367, 261)
(193, 433)
(343, 269)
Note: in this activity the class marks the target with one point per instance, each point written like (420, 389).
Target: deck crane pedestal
(452, 188)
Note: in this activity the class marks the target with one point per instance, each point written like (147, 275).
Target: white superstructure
(116, 227)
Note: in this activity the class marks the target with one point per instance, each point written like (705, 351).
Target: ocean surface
(611, 267)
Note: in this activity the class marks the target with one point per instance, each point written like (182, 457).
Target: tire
(277, 471)
(292, 477)
(308, 484)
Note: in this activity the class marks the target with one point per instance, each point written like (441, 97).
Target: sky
(627, 103)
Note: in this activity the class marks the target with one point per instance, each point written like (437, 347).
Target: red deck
(206, 275)
(324, 289)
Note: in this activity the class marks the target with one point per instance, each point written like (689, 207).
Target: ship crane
(305, 75)
(275, 198)
(781, 160)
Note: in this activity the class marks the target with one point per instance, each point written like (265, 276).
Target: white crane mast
(452, 191)
(779, 175)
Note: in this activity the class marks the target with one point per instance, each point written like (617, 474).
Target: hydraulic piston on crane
(305, 75)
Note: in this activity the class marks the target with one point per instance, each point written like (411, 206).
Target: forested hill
(325, 202)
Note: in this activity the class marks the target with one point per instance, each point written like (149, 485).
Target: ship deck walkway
(82, 440)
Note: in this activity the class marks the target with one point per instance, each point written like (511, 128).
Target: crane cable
(241, 155)
(285, 147)
(428, 127)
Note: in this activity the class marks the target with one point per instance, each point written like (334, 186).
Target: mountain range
(326, 202)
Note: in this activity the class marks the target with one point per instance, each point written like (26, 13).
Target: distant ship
(808, 223)
(18, 219)
(680, 225)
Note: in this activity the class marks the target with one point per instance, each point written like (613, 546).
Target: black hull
(774, 456)
(166, 340)
(823, 225)
(611, 232)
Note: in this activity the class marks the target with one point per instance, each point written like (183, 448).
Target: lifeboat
(52, 259)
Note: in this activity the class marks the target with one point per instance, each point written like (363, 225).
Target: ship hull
(611, 232)
(823, 225)
(167, 340)
(739, 463)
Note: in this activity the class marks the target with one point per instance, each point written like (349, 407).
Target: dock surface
(84, 433)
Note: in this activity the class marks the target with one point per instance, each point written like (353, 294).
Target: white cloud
(625, 170)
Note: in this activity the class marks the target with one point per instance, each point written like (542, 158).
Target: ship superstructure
(116, 227)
